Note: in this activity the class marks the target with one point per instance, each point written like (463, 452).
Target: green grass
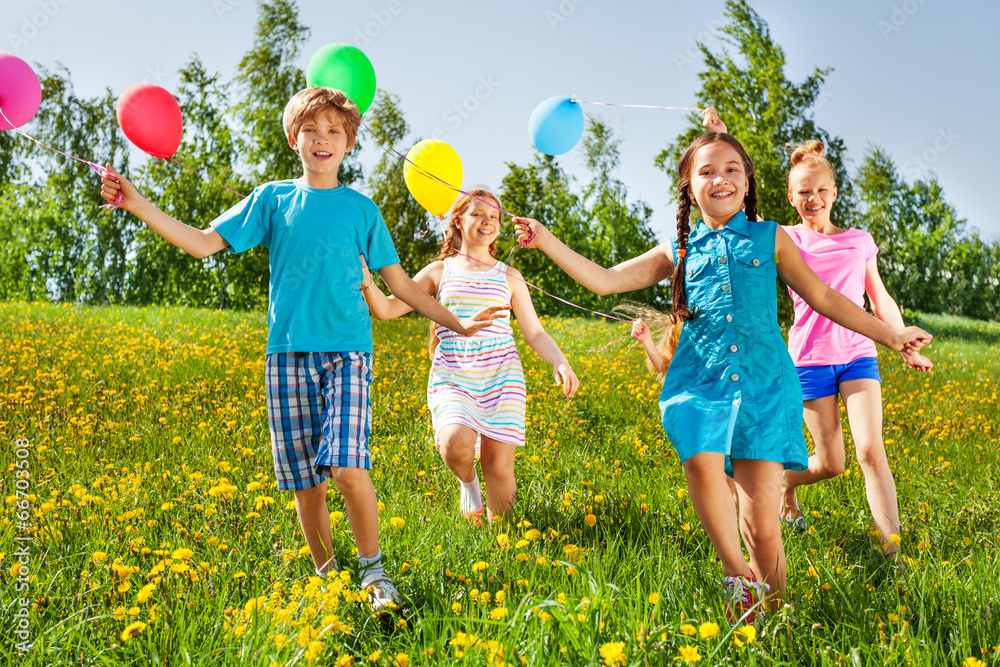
(140, 419)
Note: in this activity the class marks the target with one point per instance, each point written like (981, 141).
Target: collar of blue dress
(738, 224)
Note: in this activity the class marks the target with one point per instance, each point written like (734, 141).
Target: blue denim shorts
(820, 381)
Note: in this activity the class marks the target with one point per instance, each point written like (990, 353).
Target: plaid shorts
(319, 412)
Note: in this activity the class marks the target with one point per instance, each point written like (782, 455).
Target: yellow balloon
(433, 158)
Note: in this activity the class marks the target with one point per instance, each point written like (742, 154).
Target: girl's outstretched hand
(366, 276)
(710, 121)
(917, 361)
(910, 340)
(530, 233)
(481, 319)
(640, 331)
(113, 184)
(565, 377)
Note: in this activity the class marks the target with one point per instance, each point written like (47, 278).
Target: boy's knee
(870, 457)
(349, 479)
(311, 496)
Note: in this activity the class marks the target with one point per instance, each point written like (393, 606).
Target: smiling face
(480, 223)
(322, 144)
(718, 182)
(812, 193)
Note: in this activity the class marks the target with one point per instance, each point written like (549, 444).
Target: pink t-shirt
(839, 261)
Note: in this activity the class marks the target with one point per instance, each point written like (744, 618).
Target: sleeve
(869, 247)
(247, 224)
(379, 250)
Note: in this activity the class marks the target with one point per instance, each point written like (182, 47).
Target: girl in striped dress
(476, 390)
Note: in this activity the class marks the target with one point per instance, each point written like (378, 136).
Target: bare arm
(885, 309)
(832, 304)
(536, 336)
(643, 271)
(403, 287)
(389, 307)
(197, 242)
(641, 332)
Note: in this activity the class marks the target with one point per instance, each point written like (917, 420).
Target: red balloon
(151, 118)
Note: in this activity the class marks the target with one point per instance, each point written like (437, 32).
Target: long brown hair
(452, 242)
(685, 201)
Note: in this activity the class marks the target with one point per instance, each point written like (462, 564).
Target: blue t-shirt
(314, 237)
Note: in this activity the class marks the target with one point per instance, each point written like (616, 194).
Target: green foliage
(58, 244)
(406, 219)
(764, 110)
(926, 259)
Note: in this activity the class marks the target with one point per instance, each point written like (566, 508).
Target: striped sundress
(477, 380)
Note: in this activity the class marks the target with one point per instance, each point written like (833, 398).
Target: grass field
(139, 497)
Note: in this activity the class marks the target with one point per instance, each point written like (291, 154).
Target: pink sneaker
(747, 593)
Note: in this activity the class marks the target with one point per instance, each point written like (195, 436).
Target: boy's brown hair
(314, 100)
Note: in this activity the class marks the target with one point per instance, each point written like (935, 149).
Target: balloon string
(96, 167)
(388, 149)
(204, 177)
(636, 106)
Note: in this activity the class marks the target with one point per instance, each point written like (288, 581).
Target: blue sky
(917, 77)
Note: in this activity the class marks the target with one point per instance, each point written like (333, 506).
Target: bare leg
(822, 417)
(863, 399)
(713, 502)
(355, 484)
(497, 460)
(314, 517)
(457, 444)
(759, 486)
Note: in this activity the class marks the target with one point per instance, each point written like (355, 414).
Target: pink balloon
(151, 118)
(20, 92)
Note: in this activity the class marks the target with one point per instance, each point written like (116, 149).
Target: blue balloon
(556, 125)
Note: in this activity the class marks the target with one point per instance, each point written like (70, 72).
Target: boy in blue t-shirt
(319, 342)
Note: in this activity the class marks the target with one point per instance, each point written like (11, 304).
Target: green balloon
(345, 68)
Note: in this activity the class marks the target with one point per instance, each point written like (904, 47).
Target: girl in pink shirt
(832, 360)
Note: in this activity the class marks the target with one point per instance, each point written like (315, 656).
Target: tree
(416, 239)
(618, 230)
(764, 110)
(59, 243)
(164, 273)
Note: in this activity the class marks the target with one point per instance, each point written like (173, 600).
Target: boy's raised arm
(197, 242)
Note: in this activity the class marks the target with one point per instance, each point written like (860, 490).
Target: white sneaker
(383, 596)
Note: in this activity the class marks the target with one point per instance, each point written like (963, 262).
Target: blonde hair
(310, 102)
(662, 325)
(453, 237)
(808, 155)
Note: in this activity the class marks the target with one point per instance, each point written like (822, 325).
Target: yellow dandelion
(456, 608)
(689, 654)
(133, 629)
(708, 630)
(613, 653)
(498, 613)
(689, 629)
(182, 554)
(402, 660)
(479, 567)
(99, 556)
(745, 635)
(396, 522)
(654, 598)
(590, 520)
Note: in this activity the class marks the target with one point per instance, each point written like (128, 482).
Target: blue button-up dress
(731, 387)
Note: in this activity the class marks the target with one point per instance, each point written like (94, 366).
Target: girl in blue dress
(731, 399)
